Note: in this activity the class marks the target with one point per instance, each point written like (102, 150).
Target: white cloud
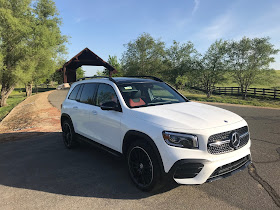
(196, 6)
(78, 19)
(218, 28)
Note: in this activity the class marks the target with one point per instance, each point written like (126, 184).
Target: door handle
(94, 112)
(75, 107)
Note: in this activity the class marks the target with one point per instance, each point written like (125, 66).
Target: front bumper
(198, 171)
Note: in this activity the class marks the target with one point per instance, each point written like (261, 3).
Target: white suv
(161, 134)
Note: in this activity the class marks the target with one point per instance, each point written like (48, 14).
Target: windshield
(149, 94)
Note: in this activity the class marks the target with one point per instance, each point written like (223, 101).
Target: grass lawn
(274, 84)
(200, 96)
(14, 99)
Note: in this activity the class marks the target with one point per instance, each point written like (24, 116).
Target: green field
(200, 96)
(275, 83)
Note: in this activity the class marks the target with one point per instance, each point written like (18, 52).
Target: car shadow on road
(42, 163)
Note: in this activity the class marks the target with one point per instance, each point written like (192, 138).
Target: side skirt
(99, 146)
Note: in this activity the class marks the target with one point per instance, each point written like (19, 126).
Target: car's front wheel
(69, 135)
(143, 166)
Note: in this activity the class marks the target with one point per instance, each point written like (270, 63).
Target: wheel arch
(65, 117)
(133, 135)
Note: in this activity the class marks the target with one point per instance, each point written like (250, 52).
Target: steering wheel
(156, 99)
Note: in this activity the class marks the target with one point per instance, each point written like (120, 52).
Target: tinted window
(105, 94)
(74, 92)
(80, 92)
(88, 92)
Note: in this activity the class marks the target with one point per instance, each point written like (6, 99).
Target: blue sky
(105, 26)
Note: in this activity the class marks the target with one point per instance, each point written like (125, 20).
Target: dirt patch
(33, 116)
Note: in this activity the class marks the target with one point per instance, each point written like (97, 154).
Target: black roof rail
(152, 77)
(84, 78)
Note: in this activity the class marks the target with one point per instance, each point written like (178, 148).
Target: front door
(105, 125)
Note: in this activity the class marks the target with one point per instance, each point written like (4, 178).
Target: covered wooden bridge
(85, 57)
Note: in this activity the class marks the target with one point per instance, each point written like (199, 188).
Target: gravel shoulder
(34, 116)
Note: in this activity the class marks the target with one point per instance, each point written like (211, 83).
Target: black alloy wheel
(140, 167)
(68, 135)
(144, 166)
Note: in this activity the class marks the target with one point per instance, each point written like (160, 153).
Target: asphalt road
(39, 173)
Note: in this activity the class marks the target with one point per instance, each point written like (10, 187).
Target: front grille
(231, 167)
(223, 141)
(187, 170)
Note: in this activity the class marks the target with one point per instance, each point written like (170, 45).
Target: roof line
(107, 65)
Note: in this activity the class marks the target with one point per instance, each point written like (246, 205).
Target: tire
(143, 166)
(69, 135)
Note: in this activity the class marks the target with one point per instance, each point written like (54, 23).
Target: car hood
(187, 115)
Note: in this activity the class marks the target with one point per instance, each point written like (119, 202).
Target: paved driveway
(40, 173)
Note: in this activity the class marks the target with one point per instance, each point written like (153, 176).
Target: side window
(74, 92)
(105, 93)
(79, 93)
(88, 93)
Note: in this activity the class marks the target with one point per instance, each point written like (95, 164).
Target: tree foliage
(213, 66)
(249, 60)
(144, 56)
(113, 61)
(179, 62)
(80, 73)
(30, 43)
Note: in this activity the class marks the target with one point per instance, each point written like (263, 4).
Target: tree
(47, 43)
(30, 42)
(80, 73)
(249, 60)
(144, 56)
(179, 60)
(113, 61)
(213, 66)
(14, 29)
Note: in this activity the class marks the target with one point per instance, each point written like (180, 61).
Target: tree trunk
(28, 89)
(208, 91)
(243, 92)
(5, 92)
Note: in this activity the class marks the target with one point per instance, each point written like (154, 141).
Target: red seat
(136, 100)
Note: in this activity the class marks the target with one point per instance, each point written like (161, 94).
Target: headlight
(180, 140)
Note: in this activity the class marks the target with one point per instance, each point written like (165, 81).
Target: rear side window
(74, 92)
(88, 93)
(105, 93)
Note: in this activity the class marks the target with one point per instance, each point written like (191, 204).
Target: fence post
(219, 90)
(225, 90)
(254, 92)
(263, 92)
(231, 90)
(274, 96)
(238, 91)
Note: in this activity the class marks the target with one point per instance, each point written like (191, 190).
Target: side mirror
(111, 105)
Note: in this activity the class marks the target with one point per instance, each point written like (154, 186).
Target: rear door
(71, 105)
(84, 108)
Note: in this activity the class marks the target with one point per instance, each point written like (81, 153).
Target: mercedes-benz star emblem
(235, 140)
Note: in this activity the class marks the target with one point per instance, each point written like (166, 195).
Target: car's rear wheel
(69, 135)
(143, 166)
